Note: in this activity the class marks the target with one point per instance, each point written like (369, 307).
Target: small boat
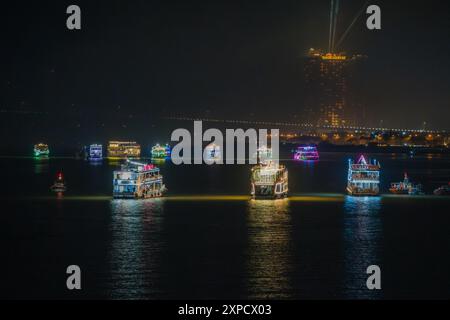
(405, 187)
(59, 185)
(363, 177)
(95, 152)
(306, 153)
(212, 153)
(41, 150)
(442, 190)
(160, 152)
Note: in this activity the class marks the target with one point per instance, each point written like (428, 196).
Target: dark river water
(316, 244)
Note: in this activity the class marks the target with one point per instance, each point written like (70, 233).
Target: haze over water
(316, 244)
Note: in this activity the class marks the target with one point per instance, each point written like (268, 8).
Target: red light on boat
(148, 167)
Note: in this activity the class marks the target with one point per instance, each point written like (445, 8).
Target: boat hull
(307, 158)
(278, 190)
(269, 197)
(440, 192)
(135, 197)
(353, 192)
(395, 191)
(41, 154)
(58, 189)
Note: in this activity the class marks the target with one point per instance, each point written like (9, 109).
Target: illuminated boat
(41, 150)
(363, 177)
(306, 153)
(160, 152)
(269, 182)
(95, 152)
(442, 190)
(123, 149)
(212, 153)
(137, 180)
(268, 178)
(405, 187)
(59, 185)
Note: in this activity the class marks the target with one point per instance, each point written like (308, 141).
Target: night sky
(136, 61)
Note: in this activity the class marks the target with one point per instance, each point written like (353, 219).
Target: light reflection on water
(96, 163)
(314, 245)
(135, 250)
(362, 244)
(269, 239)
(40, 165)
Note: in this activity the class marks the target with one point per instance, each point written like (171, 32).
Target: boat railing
(362, 167)
(359, 190)
(152, 178)
(124, 182)
(368, 177)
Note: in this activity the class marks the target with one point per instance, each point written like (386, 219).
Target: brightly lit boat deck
(363, 177)
(137, 180)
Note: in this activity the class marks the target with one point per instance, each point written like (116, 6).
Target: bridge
(308, 126)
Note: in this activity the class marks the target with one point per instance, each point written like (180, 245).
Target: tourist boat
(306, 153)
(123, 149)
(95, 152)
(160, 152)
(41, 150)
(137, 180)
(405, 187)
(363, 177)
(442, 190)
(269, 180)
(212, 153)
(59, 185)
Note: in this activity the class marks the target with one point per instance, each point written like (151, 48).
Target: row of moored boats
(269, 179)
(116, 150)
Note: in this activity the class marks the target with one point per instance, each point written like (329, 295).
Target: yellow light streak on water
(195, 198)
(67, 198)
(208, 198)
(316, 197)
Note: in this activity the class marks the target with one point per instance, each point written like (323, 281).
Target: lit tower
(332, 81)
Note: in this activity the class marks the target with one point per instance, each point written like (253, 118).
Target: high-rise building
(332, 84)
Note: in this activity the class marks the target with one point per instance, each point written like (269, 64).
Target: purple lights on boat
(306, 153)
